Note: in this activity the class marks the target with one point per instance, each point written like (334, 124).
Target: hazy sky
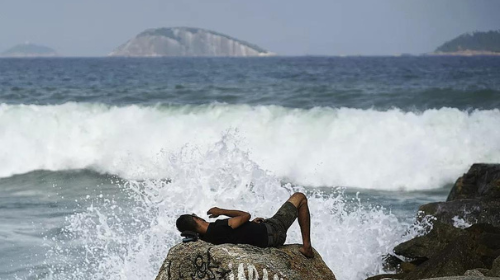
(288, 27)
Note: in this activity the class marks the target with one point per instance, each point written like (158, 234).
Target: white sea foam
(316, 147)
(460, 222)
(119, 242)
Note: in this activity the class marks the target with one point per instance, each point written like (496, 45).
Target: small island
(29, 50)
(475, 43)
(186, 41)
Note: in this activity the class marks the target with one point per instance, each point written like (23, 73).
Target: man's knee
(298, 199)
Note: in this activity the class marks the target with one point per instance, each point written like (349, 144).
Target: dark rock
(482, 181)
(475, 198)
(455, 259)
(387, 276)
(428, 245)
(407, 267)
(418, 261)
(495, 269)
(470, 210)
(488, 240)
(449, 252)
(463, 278)
(391, 263)
(488, 236)
(202, 260)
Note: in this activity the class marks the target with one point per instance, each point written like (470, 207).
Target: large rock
(482, 181)
(495, 269)
(470, 211)
(487, 238)
(426, 246)
(202, 260)
(453, 248)
(447, 250)
(475, 198)
(455, 259)
(463, 278)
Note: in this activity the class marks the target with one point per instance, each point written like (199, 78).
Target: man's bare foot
(307, 252)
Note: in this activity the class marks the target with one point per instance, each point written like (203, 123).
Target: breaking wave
(371, 149)
(130, 239)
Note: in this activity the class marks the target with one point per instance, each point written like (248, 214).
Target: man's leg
(299, 200)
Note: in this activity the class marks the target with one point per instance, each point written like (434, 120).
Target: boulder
(495, 268)
(474, 198)
(463, 278)
(202, 260)
(471, 211)
(482, 181)
(455, 259)
(487, 238)
(387, 276)
(450, 250)
(424, 247)
(474, 272)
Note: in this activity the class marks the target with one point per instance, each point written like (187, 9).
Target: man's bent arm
(237, 217)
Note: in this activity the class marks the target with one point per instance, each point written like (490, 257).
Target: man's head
(188, 222)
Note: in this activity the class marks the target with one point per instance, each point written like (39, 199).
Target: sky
(288, 27)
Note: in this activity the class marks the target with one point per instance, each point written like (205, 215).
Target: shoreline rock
(474, 198)
(464, 242)
(202, 260)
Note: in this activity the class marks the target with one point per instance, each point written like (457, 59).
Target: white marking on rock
(251, 271)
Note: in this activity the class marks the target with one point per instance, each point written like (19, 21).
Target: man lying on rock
(260, 232)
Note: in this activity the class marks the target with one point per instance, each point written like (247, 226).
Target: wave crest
(389, 150)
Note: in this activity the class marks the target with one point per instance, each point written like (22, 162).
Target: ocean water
(98, 156)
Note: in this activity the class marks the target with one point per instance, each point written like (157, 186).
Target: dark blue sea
(98, 156)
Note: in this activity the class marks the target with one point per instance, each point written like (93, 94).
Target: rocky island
(186, 41)
(476, 43)
(29, 50)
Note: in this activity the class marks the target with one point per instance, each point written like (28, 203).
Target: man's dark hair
(186, 223)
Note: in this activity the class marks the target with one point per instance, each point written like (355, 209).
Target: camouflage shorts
(278, 225)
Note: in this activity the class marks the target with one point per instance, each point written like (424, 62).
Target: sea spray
(384, 150)
(114, 239)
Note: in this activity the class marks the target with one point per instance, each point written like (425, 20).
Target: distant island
(476, 43)
(186, 41)
(29, 50)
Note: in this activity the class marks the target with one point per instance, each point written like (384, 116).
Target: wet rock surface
(474, 198)
(470, 211)
(464, 242)
(202, 260)
(482, 181)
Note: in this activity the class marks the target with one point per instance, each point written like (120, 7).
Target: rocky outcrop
(449, 251)
(201, 260)
(464, 242)
(475, 198)
(482, 181)
(185, 41)
(476, 43)
(29, 50)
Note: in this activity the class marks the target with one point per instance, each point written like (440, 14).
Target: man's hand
(258, 220)
(214, 212)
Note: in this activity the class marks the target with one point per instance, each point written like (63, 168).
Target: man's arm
(237, 217)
